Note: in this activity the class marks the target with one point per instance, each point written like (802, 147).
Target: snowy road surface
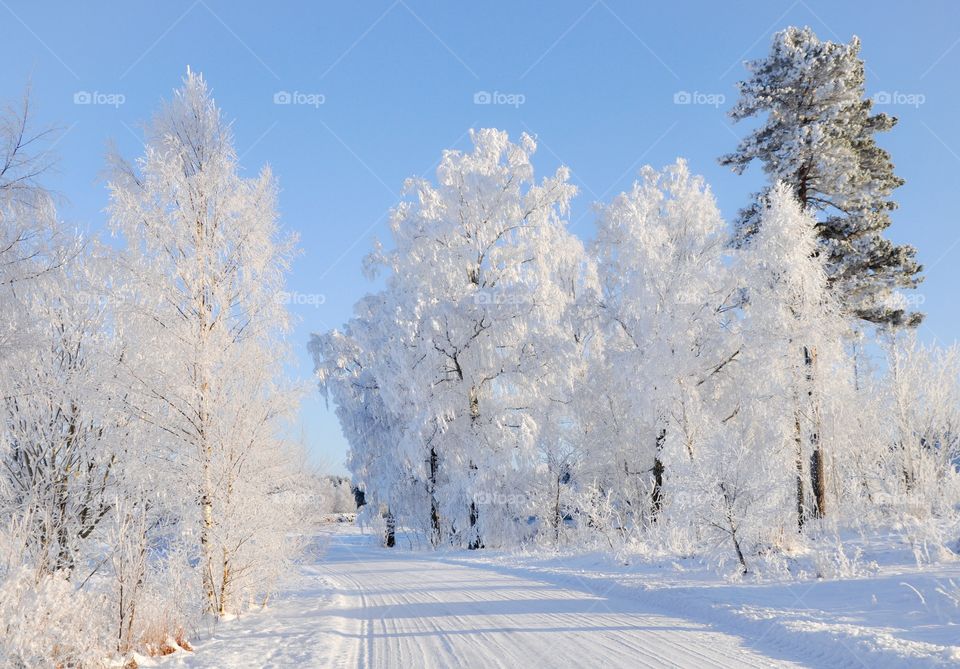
(363, 606)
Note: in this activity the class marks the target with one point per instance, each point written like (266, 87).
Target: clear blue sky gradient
(398, 80)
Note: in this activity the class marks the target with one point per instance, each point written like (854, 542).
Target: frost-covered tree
(60, 426)
(734, 492)
(923, 401)
(791, 330)
(818, 138)
(505, 255)
(22, 160)
(34, 244)
(475, 340)
(54, 360)
(391, 470)
(56, 425)
(202, 270)
(664, 303)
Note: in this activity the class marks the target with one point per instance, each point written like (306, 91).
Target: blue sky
(377, 90)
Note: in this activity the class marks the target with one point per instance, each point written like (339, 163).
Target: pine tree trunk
(475, 541)
(226, 572)
(818, 474)
(206, 504)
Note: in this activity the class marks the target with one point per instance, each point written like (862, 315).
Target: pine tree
(818, 139)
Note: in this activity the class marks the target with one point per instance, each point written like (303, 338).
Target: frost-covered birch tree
(922, 401)
(793, 329)
(390, 469)
(203, 268)
(60, 426)
(34, 243)
(664, 302)
(482, 277)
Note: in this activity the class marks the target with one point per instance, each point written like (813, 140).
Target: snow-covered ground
(354, 604)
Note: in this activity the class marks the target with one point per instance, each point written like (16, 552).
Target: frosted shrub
(46, 622)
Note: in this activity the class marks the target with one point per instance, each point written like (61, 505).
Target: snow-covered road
(363, 606)
(407, 610)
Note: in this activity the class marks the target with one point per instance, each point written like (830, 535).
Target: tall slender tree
(204, 264)
(791, 327)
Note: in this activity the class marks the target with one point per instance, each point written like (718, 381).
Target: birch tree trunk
(798, 442)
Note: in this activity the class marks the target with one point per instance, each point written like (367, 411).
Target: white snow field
(355, 604)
